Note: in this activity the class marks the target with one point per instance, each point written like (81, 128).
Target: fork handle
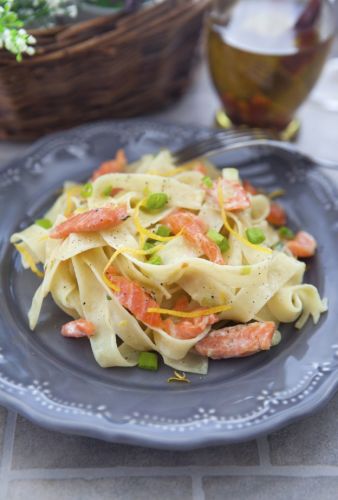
(318, 162)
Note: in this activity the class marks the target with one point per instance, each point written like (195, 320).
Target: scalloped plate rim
(141, 435)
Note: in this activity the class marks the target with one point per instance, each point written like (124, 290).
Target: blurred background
(254, 63)
(257, 63)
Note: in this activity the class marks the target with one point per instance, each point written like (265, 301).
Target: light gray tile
(267, 488)
(35, 447)
(312, 441)
(105, 489)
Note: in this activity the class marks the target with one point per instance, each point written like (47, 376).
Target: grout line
(263, 451)
(197, 488)
(196, 472)
(7, 453)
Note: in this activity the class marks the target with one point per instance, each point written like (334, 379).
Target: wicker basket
(109, 67)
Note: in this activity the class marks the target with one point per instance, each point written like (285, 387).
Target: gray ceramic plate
(56, 383)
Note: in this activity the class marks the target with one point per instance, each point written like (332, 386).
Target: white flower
(15, 13)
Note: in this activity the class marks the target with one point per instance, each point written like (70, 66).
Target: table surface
(300, 461)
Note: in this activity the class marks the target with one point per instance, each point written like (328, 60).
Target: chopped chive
(87, 190)
(224, 246)
(215, 236)
(230, 174)
(108, 297)
(163, 231)
(107, 190)
(148, 245)
(45, 223)
(255, 235)
(277, 337)
(286, 233)
(148, 361)
(155, 201)
(245, 270)
(207, 181)
(278, 246)
(155, 260)
(219, 239)
(276, 193)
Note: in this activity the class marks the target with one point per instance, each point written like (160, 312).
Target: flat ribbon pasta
(259, 284)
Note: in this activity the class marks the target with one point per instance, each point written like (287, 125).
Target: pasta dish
(183, 262)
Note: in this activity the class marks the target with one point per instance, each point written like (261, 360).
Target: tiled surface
(36, 448)
(298, 462)
(313, 442)
(267, 488)
(105, 489)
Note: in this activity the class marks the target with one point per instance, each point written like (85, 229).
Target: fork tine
(196, 149)
(219, 141)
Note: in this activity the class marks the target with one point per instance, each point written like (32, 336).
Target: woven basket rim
(108, 18)
(117, 65)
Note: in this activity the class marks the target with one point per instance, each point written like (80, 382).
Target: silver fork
(237, 141)
(222, 141)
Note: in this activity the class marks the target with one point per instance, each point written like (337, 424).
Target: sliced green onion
(207, 181)
(45, 223)
(155, 201)
(277, 337)
(108, 297)
(163, 231)
(148, 245)
(107, 190)
(219, 239)
(230, 174)
(286, 233)
(255, 235)
(245, 270)
(87, 190)
(278, 246)
(155, 260)
(148, 361)
(276, 193)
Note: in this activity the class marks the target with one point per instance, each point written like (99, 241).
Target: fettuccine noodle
(152, 256)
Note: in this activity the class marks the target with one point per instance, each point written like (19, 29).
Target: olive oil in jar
(263, 62)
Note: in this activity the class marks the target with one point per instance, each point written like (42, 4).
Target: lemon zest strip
(44, 238)
(73, 191)
(190, 314)
(145, 233)
(110, 284)
(119, 251)
(179, 378)
(28, 259)
(169, 173)
(220, 199)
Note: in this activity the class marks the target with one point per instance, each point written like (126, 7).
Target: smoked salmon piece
(200, 167)
(134, 298)
(78, 328)
(194, 230)
(94, 220)
(249, 188)
(237, 341)
(182, 303)
(186, 329)
(277, 215)
(111, 166)
(303, 245)
(234, 194)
